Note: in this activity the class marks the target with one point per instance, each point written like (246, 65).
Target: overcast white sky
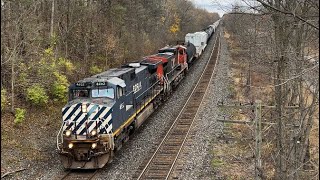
(219, 6)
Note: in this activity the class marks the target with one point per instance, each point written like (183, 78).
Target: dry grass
(30, 140)
(233, 155)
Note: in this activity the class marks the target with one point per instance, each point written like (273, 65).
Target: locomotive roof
(172, 47)
(139, 69)
(114, 72)
(106, 75)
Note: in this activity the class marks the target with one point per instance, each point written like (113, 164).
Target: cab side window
(132, 76)
(120, 91)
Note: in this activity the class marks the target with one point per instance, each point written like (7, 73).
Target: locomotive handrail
(171, 70)
(148, 89)
(166, 79)
(103, 126)
(129, 93)
(58, 135)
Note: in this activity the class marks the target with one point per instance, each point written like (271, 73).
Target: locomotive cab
(86, 132)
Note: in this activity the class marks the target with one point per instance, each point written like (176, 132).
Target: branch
(7, 173)
(253, 14)
(289, 13)
(287, 80)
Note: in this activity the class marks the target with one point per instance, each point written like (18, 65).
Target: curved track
(162, 162)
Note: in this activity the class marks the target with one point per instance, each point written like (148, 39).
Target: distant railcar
(199, 40)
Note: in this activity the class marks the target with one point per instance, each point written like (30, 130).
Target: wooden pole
(258, 164)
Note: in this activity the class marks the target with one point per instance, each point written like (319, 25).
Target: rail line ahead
(164, 158)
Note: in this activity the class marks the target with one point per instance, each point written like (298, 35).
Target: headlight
(93, 132)
(94, 145)
(84, 107)
(68, 133)
(70, 145)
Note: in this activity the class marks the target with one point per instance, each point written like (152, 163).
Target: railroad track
(162, 162)
(79, 174)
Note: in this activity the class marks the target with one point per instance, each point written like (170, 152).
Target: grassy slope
(31, 141)
(234, 152)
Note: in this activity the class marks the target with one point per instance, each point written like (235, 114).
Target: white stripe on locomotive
(73, 120)
(93, 125)
(83, 125)
(91, 118)
(71, 108)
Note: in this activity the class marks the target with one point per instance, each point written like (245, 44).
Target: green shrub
(19, 115)
(3, 98)
(37, 95)
(49, 51)
(59, 88)
(66, 64)
(59, 91)
(95, 70)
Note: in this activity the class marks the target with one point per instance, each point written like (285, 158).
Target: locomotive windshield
(95, 93)
(79, 93)
(99, 93)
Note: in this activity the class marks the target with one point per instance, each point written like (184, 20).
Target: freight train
(105, 109)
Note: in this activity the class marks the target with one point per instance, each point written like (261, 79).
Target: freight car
(199, 39)
(104, 109)
(211, 29)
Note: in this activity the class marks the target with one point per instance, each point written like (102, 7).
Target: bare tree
(292, 21)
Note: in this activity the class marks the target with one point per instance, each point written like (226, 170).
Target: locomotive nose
(83, 118)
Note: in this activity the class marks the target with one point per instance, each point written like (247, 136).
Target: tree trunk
(281, 160)
(52, 19)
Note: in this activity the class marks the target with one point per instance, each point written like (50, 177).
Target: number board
(83, 84)
(80, 84)
(100, 83)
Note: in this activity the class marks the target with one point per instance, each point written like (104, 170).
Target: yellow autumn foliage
(175, 27)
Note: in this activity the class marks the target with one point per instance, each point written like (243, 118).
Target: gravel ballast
(196, 161)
